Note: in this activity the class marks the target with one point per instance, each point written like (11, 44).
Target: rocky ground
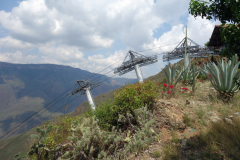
(180, 120)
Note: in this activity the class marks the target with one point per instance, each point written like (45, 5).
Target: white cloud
(99, 61)
(9, 42)
(61, 54)
(89, 24)
(199, 30)
(63, 32)
(17, 57)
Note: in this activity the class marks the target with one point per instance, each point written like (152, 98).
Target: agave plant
(170, 73)
(195, 74)
(223, 77)
(189, 75)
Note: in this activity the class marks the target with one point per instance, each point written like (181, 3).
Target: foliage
(170, 74)
(91, 142)
(155, 154)
(125, 101)
(189, 76)
(88, 141)
(38, 149)
(194, 71)
(202, 77)
(224, 11)
(230, 35)
(187, 120)
(206, 44)
(143, 136)
(20, 156)
(135, 96)
(107, 114)
(223, 77)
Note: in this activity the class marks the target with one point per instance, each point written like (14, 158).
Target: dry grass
(212, 140)
(223, 138)
(171, 151)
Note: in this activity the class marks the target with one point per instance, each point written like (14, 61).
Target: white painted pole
(186, 54)
(90, 100)
(139, 74)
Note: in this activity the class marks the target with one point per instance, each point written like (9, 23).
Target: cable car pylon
(84, 88)
(135, 61)
(188, 48)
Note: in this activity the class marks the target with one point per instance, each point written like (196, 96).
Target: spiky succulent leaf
(223, 74)
(170, 74)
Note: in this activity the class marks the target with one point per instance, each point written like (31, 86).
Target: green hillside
(26, 88)
(153, 120)
(79, 110)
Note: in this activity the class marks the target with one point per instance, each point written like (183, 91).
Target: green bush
(135, 96)
(125, 101)
(107, 114)
(202, 77)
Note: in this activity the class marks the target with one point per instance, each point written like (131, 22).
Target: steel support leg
(139, 74)
(90, 100)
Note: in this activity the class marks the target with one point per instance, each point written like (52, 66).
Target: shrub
(125, 102)
(90, 142)
(135, 96)
(107, 114)
(202, 77)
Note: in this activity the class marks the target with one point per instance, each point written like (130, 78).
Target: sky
(93, 34)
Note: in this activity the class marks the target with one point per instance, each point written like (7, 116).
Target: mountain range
(27, 88)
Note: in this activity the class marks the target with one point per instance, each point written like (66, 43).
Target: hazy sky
(90, 34)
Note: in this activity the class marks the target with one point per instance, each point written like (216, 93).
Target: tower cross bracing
(84, 88)
(193, 50)
(133, 61)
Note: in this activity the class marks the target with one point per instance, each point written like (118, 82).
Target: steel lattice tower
(192, 50)
(135, 61)
(84, 88)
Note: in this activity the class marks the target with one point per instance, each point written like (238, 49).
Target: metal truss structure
(134, 60)
(193, 50)
(84, 88)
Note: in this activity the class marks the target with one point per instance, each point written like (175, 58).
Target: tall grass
(224, 138)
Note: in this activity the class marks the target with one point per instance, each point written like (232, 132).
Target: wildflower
(210, 75)
(184, 88)
(165, 85)
(190, 91)
(173, 79)
(169, 92)
(171, 86)
(182, 92)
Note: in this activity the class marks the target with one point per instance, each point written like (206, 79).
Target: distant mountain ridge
(26, 88)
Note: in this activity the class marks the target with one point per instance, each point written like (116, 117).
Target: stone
(230, 117)
(236, 114)
(210, 112)
(184, 142)
(228, 120)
